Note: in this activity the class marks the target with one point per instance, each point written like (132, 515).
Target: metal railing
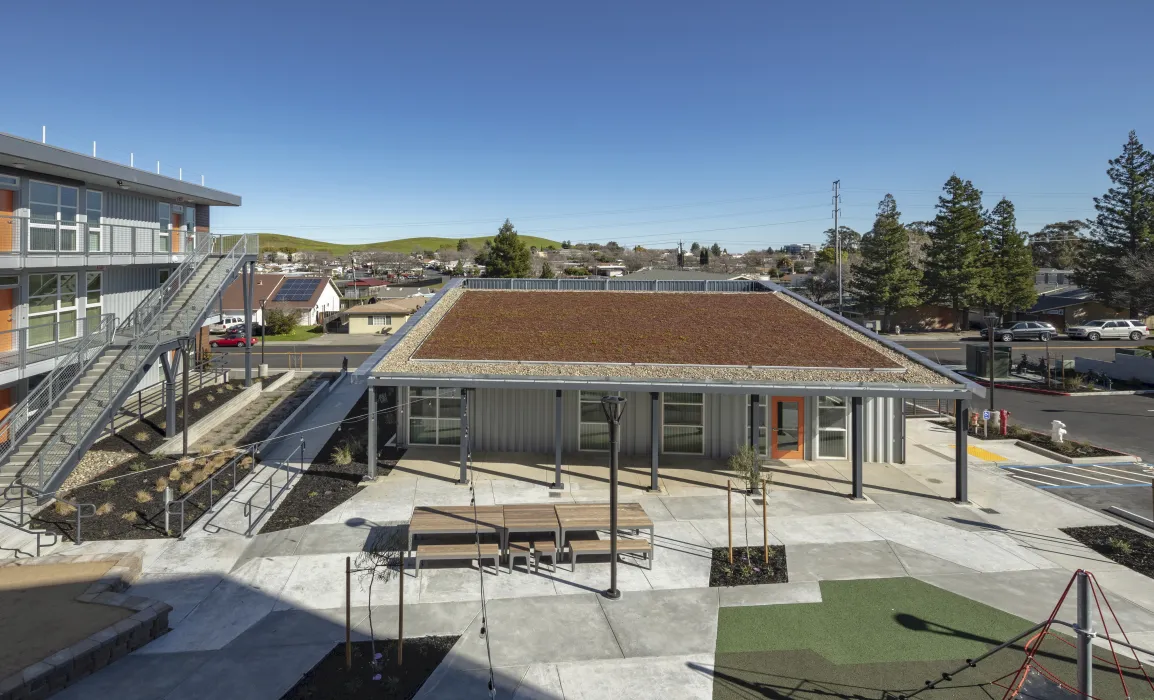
(82, 352)
(21, 347)
(146, 335)
(231, 465)
(37, 237)
(249, 510)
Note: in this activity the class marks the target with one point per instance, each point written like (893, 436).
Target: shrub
(161, 484)
(196, 405)
(105, 508)
(280, 322)
(107, 485)
(186, 486)
(343, 454)
(63, 508)
(186, 466)
(210, 398)
(135, 466)
(143, 496)
(142, 436)
(130, 516)
(746, 463)
(1120, 546)
(174, 474)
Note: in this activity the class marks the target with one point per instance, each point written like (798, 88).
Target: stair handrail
(244, 246)
(122, 375)
(15, 425)
(141, 318)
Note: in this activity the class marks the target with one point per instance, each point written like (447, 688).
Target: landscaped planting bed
(749, 567)
(1121, 544)
(669, 328)
(371, 678)
(1069, 448)
(336, 473)
(129, 499)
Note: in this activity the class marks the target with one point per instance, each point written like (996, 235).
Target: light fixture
(19, 164)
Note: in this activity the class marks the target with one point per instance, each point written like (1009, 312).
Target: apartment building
(83, 241)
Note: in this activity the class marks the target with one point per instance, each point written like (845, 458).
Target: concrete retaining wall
(207, 424)
(294, 418)
(1131, 368)
(281, 380)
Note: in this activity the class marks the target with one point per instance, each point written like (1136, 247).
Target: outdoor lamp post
(614, 407)
(991, 323)
(263, 321)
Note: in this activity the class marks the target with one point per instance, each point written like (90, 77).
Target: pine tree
(850, 239)
(953, 265)
(703, 257)
(885, 279)
(1123, 228)
(695, 248)
(508, 256)
(715, 250)
(1010, 286)
(547, 271)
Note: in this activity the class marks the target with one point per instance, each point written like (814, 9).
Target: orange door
(7, 308)
(5, 407)
(788, 434)
(177, 219)
(7, 220)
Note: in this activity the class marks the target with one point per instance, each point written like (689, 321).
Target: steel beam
(961, 452)
(372, 437)
(558, 435)
(654, 439)
(858, 443)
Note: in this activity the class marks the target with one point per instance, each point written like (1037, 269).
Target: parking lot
(1096, 486)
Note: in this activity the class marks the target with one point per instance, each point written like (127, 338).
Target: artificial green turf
(871, 621)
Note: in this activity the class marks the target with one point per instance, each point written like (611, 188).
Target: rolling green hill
(276, 241)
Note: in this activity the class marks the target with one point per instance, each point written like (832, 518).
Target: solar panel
(297, 290)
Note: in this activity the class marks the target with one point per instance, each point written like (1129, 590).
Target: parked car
(225, 324)
(1105, 328)
(231, 340)
(239, 329)
(1023, 330)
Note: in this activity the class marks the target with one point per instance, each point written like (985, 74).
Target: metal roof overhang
(41, 158)
(962, 388)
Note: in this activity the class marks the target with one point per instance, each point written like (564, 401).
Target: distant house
(653, 273)
(312, 298)
(383, 317)
(611, 270)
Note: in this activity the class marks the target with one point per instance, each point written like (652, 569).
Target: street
(948, 351)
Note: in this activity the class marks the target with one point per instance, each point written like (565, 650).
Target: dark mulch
(145, 435)
(749, 567)
(382, 679)
(116, 496)
(328, 484)
(1069, 448)
(1121, 544)
(759, 329)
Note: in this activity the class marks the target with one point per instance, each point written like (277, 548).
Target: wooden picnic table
(533, 517)
(456, 520)
(587, 517)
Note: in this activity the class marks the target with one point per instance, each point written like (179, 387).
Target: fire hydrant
(1003, 420)
(1057, 431)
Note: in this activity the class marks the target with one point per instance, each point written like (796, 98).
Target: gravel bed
(749, 567)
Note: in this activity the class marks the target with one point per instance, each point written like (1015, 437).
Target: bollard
(348, 614)
(764, 523)
(401, 612)
(729, 515)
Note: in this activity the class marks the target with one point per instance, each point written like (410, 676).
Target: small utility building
(520, 365)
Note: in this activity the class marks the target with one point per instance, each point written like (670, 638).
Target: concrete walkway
(252, 614)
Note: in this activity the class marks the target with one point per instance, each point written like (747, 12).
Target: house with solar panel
(312, 298)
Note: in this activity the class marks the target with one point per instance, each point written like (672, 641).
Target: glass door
(788, 431)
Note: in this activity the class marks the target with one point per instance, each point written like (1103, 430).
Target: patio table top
(531, 517)
(595, 516)
(456, 519)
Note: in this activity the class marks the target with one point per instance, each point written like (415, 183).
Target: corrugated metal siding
(507, 420)
(125, 286)
(130, 209)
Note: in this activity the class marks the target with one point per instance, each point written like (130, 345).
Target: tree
(613, 247)
(821, 287)
(280, 321)
(1139, 271)
(703, 257)
(919, 234)
(1010, 267)
(715, 250)
(460, 268)
(827, 257)
(462, 244)
(953, 265)
(753, 259)
(695, 248)
(547, 271)
(1059, 245)
(1123, 228)
(884, 278)
(785, 264)
(566, 245)
(508, 256)
(850, 239)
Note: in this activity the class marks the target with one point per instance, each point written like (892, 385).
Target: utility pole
(837, 240)
(680, 254)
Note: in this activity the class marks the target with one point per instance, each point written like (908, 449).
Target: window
(51, 300)
(683, 423)
(593, 430)
(763, 427)
(9, 182)
(831, 427)
(162, 276)
(164, 214)
(434, 416)
(52, 206)
(94, 211)
(93, 301)
(380, 320)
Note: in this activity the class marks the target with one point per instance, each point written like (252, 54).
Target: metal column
(755, 423)
(1085, 636)
(246, 285)
(184, 358)
(464, 436)
(558, 434)
(170, 368)
(372, 441)
(654, 438)
(858, 446)
(961, 453)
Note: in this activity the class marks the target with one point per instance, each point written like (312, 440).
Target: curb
(1053, 392)
(1058, 457)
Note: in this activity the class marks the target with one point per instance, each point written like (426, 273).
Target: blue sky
(641, 122)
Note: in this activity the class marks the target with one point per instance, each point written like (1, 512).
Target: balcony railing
(30, 236)
(22, 347)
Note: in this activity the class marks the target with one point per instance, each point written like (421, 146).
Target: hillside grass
(277, 241)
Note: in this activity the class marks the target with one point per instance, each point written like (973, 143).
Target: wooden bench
(457, 552)
(625, 545)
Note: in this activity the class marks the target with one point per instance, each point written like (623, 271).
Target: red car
(231, 340)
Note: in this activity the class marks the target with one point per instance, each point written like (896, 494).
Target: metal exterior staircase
(43, 438)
